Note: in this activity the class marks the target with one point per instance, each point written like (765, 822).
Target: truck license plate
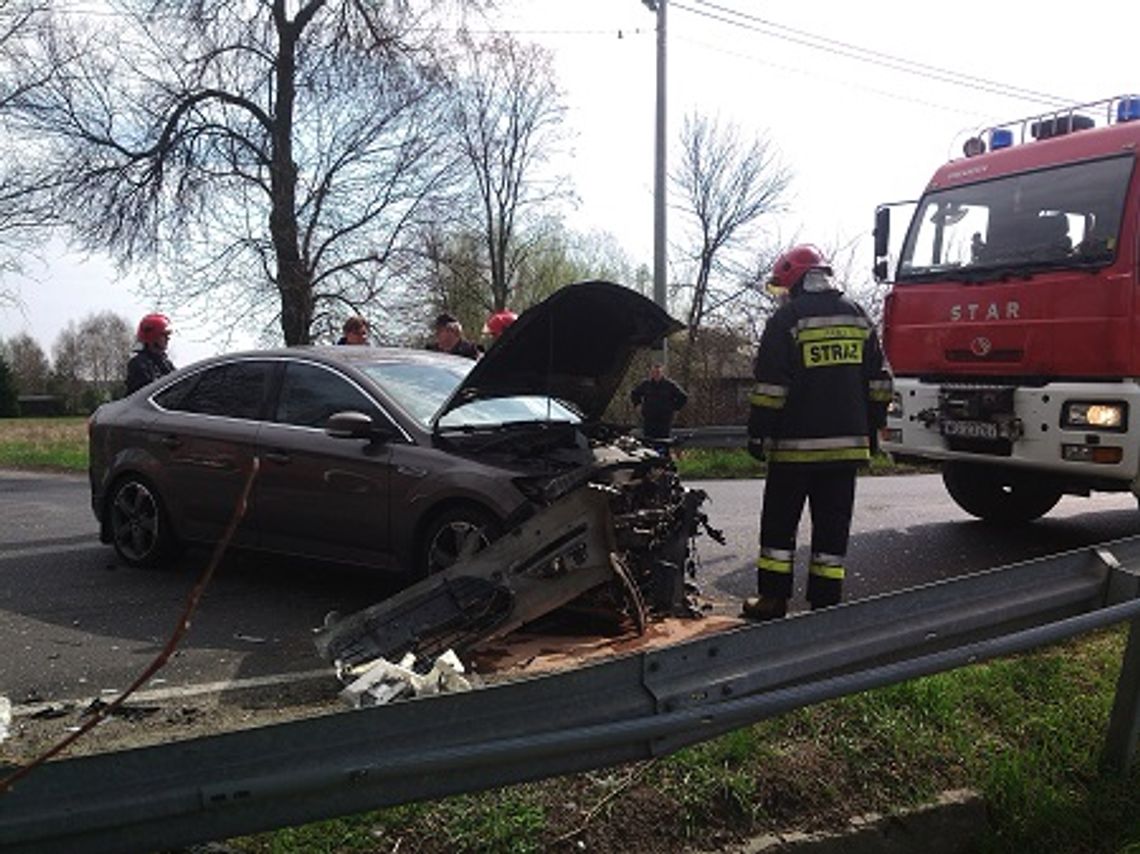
(970, 429)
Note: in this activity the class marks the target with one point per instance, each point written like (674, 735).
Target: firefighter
(498, 322)
(150, 361)
(821, 396)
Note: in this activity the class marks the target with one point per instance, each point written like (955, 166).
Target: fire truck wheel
(998, 494)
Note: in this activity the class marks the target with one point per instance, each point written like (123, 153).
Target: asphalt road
(74, 623)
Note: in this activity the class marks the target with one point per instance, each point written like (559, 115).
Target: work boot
(764, 608)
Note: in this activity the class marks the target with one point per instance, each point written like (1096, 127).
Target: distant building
(41, 405)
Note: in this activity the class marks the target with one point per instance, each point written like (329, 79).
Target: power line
(861, 54)
(921, 102)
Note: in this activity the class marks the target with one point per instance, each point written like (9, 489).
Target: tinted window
(172, 396)
(310, 394)
(235, 390)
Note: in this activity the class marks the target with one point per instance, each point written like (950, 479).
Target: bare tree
(723, 186)
(90, 360)
(269, 156)
(67, 367)
(24, 222)
(509, 117)
(105, 340)
(28, 363)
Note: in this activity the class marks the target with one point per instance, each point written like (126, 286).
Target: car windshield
(1059, 217)
(421, 389)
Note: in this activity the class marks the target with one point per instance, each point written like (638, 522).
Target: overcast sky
(862, 100)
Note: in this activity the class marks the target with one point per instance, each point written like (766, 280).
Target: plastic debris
(5, 717)
(380, 681)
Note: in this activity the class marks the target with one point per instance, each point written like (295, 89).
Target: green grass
(52, 444)
(731, 463)
(1026, 732)
(60, 444)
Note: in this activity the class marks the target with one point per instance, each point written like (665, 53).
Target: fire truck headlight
(1100, 415)
(895, 407)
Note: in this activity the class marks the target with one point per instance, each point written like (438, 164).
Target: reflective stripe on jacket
(822, 386)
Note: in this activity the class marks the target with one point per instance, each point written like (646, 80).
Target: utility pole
(660, 261)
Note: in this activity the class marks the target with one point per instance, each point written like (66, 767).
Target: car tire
(456, 532)
(138, 523)
(999, 494)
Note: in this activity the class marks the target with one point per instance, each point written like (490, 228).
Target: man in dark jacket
(151, 361)
(659, 398)
(449, 338)
(821, 396)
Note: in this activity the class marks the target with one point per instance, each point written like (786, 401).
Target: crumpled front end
(619, 530)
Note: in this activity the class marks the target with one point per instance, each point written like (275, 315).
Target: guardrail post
(1124, 723)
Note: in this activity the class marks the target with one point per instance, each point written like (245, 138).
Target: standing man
(659, 398)
(449, 338)
(821, 395)
(150, 361)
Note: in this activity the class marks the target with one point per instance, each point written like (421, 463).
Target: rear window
(232, 390)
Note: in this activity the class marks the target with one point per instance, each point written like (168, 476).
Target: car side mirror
(356, 425)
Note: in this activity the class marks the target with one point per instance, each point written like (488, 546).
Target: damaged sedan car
(404, 460)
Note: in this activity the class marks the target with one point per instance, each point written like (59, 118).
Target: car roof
(574, 346)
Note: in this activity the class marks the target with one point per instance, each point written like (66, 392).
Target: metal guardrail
(634, 707)
(731, 436)
(724, 436)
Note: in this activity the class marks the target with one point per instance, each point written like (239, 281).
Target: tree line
(281, 165)
(87, 366)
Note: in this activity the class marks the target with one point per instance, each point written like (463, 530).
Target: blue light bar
(1001, 138)
(1128, 110)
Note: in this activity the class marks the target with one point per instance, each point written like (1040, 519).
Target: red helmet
(790, 267)
(152, 327)
(499, 321)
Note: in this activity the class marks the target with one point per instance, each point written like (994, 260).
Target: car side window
(233, 390)
(310, 394)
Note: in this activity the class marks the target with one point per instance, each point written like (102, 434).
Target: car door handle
(171, 441)
(277, 456)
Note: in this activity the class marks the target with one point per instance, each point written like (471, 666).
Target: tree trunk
(294, 279)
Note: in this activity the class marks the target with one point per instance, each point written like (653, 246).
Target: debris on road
(129, 712)
(51, 711)
(381, 681)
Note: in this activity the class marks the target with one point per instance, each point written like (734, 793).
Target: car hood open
(574, 346)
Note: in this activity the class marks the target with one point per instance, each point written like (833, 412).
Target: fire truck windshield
(1062, 216)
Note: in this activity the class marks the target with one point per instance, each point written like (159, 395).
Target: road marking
(158, 695)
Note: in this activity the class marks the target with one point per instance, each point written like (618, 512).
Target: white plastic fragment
(5, 717)
(380, 681)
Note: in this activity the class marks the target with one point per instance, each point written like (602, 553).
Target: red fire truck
(1013, 320)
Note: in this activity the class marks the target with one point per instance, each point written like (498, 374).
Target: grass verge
(49, 444)
(60, 444)
(733, 463)
(1025, 731)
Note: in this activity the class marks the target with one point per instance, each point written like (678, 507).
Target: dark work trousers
(829, 490)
